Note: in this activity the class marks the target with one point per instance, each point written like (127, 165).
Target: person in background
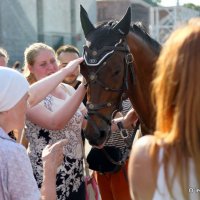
(64, 55)
(4, 57)
(166, 165)
(57, 117)
(17, 66)
(16, 175)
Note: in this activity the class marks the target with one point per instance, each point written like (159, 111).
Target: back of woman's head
(30, 55)
(177, 97)
(177, 79)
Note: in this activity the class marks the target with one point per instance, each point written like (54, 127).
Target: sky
(181, 2)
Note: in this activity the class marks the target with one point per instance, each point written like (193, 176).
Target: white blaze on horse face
(88, 43)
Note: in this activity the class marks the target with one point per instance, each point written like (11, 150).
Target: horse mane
(139, 29)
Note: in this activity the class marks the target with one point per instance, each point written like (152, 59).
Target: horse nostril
(102, 134)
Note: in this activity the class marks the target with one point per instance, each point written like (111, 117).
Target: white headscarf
(13, 86)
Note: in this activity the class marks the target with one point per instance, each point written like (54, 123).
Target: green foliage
(153, 2)
(192, 6)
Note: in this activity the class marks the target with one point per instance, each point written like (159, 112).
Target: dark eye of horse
(116, 73)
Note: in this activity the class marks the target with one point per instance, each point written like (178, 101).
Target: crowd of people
(16, 98)
(45, 103)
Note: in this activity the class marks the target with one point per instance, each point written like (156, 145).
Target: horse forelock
(104, 35)
(108, 24)
(139, 29)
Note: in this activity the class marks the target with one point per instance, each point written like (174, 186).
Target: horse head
(104, 54)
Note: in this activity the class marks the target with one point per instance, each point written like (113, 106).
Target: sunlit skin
(3, 61)
(45, 64)
(18, 114)
(21, 108)
(63, 59)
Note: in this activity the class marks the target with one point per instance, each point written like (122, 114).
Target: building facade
(115, 9)
(159, 21)
(53, 22)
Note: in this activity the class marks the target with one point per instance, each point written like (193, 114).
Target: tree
(153, 2)
(192, 6)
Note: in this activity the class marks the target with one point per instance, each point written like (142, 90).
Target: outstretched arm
(42, 88)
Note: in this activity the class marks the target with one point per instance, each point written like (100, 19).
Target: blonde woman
(57, 117)
(167, 165)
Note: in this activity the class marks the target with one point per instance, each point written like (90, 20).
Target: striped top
(115, 138)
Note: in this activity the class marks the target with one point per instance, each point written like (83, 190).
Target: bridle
(95, 58)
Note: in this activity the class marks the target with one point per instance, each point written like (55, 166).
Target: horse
(119, 61)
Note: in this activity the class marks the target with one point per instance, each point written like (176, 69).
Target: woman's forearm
(65, 113)
(52, 158)
(48, 190)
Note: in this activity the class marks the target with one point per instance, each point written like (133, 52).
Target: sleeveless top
(70, 181)
(162, 192)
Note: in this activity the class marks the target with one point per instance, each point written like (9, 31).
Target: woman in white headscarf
(16, 175)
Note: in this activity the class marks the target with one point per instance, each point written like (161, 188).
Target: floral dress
(70, 180)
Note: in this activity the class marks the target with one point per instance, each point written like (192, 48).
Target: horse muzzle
(97, 140)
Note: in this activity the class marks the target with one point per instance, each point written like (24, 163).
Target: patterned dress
(70, 180)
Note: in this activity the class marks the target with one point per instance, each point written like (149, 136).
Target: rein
(93, 78)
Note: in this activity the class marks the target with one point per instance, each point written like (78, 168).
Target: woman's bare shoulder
(144, 142)
(142, 178)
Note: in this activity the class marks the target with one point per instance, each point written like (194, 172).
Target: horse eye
(116, 72)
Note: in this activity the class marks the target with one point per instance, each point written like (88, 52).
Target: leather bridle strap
(93, 61)
(95, 107)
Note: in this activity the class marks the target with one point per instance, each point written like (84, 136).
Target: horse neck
(139, 91)
(142, 52)
(142, 105)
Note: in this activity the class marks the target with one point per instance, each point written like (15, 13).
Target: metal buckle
(123, 132)
(129, 58)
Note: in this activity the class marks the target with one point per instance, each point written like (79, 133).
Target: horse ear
(123, 25)
(87, 25)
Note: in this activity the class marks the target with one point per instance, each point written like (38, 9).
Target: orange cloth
(113, 186)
